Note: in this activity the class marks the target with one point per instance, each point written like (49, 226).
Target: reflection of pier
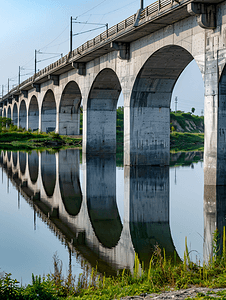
(214, 217)
(89, 223)
(148, 193)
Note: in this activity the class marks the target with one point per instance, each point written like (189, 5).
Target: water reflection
(48, 172)
(214, 217)
(70, 187)
(87, 220)
(149, 210)
(22, 162)
(33, 165)
(101, 199)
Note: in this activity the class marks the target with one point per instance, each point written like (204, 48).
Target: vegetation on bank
(180, 141)
(164, 273)
(14, 138)
(186, 122)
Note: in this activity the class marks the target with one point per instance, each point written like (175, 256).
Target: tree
(193, 110)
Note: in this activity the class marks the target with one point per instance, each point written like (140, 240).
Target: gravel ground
(177, 295)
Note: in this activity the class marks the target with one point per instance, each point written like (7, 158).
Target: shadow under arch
(48, 172)
(101, 113)
(48, 112)
(69, 182)
(69, 112)
(33, 166)
(4, 112)
(23, 115)
(22, 162)
(9, 112)
(150, 106)
(149, 211)
(15, 114)
(101, 199)
(33, 114)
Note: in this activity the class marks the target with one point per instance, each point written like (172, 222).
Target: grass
(186, 141)
(164, 273)
(13, 138)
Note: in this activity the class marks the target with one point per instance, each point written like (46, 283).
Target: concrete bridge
(142, 57)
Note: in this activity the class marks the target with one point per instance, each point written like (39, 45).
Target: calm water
(97, 212)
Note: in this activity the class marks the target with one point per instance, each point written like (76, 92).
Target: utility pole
(35, 60)
(141, 4)
(8, 85)
(176, 104)
(71, 36)
(73, 20)
(19, 77)
(2, 90)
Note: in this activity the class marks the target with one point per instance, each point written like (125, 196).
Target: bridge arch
(48, 112)
(23, 114)
(15, 114)
(9, 112)
(4, 112)
(149, 108)
(100, 119)
(69, 110)
(33, 114)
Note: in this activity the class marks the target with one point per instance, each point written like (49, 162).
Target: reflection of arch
(101, 108)
(22, 162)
(48, 172)
(9, 155)
(149, 210)
(69, 182)
(101, 199)
(150, 106)
(33, 166)
(9, 112)
(23, 115)
(15, 114)
(33, 114)
(15, 159)
(48, 113)
(69, 114)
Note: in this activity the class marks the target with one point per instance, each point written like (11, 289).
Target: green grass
(163, 273)
(29, 141)
(180, 141)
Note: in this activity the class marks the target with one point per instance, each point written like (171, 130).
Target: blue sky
(27, 25)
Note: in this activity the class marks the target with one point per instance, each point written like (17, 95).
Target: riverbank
(27, 141)
(174, 278)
